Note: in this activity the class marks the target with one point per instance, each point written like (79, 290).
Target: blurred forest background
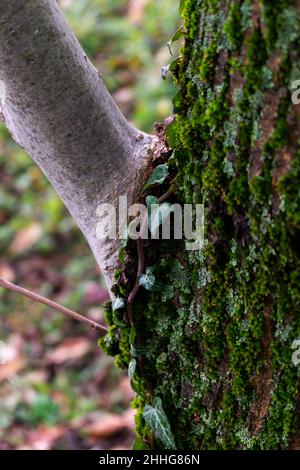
(58, 390)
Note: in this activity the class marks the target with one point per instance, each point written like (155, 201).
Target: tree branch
(43, 300)
(57, 107)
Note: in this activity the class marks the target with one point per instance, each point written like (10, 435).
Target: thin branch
(167, 194)
(43, 300)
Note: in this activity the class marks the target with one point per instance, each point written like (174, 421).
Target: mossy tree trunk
(219, 333)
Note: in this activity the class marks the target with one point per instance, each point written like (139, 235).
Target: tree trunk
(56, 106)
(220, 331)
(214, 340)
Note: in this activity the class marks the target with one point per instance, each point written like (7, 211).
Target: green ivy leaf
(158, 215)
(158, 176)
(176, 101)
(139, 445)
(117, 304)
(137, 351)
(151, 200)
(118, 322)
(131, 369)
(148, 280)
(159, 423)
(132, 335)
(169, 68)
(177, 35)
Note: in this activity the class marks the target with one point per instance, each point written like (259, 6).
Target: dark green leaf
(159, 423)
(137, 351)
(132, 335)
(158, 176)
(177, 35)
(117, 304)
(131, 368)
(158, 215)
(169, 68)
(118, 322)
(151, 200)
(148, 280)
(176, 100)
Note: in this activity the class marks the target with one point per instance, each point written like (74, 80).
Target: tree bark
(219, 332)
(57, 107)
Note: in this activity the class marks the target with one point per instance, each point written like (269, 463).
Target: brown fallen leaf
(71, 350)
(9, 370)
(7, 272)
(26, 238)
(110, 425)
(42, 438)
(36, 376)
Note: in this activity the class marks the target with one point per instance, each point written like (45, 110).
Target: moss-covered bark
(218, 333)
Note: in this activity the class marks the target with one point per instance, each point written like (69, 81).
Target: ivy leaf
(151, 200)
(137, 351)
(118, 322)
(148, 280)
(177, 35)
(132, 335)
(158, 215)
(169, 68)
(139, 444)
(176, 101)
(159, 423)
(131, 369)
(117, 304)
(158, 176)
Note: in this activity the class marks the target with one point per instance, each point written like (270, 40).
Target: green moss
(233, 26)
(225, 317)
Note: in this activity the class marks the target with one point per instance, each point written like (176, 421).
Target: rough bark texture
(57, 107)
(218, 332)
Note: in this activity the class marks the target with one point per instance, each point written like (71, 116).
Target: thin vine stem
(43, 300)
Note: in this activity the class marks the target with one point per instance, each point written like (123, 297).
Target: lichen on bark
(219, 332)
